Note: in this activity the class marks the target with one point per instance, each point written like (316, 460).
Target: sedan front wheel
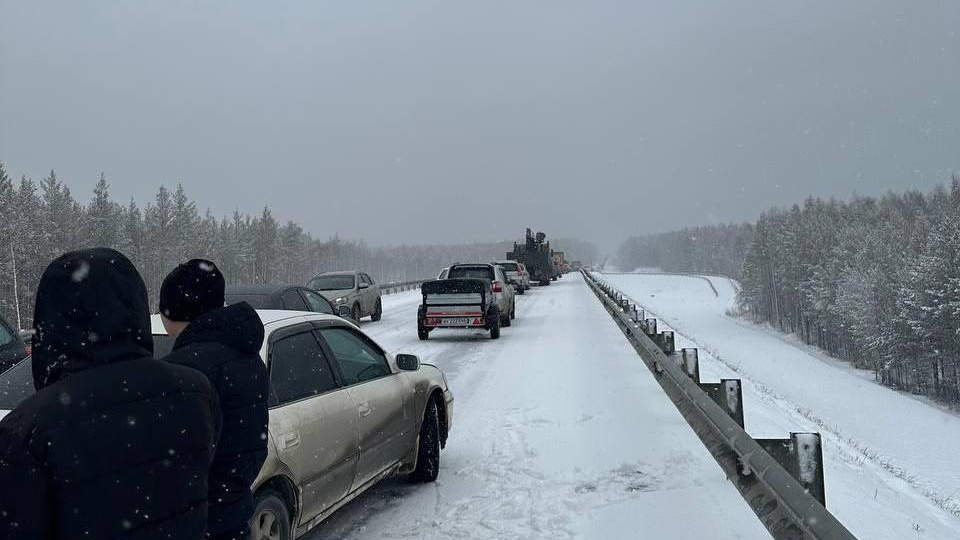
(428, 446)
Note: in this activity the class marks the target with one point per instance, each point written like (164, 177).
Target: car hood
(334, 294)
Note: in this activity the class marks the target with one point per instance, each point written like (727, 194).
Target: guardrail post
(802, 456)
(650, 327)
(667, 342)
(690, 362)
(728, 394)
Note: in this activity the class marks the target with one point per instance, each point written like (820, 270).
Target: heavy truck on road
(536, 255)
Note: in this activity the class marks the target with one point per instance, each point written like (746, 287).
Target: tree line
(702, 250)
(875, 281)
(41, 220)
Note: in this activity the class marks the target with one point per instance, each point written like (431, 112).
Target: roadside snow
(891, 460)
(559, 432)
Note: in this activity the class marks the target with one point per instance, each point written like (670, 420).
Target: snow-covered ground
(892, 461)
(560, 432)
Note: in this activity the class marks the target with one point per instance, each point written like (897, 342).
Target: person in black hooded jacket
(223, 343)
(114, 444)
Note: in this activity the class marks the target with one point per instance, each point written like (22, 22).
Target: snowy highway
(890, 459)
(559, 432)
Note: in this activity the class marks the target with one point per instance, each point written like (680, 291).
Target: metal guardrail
(398, 286)
(781, 479)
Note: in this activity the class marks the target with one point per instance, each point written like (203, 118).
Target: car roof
(268, 316)
(259, 289)
(339, 273)
(489, 265)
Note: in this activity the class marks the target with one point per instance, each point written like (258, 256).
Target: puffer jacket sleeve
(24, 495)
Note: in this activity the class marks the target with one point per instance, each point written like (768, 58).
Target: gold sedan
(344, 414)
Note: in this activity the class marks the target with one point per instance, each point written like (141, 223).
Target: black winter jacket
(114, 444)
(224, 344)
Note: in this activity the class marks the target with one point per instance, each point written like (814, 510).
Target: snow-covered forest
(41, 220)
(875, 281)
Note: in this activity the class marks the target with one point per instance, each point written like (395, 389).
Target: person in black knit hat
(224, 343)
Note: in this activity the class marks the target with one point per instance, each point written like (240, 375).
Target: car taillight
(496, 286)
(29, 349)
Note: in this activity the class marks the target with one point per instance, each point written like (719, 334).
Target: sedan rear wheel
(377, 311)
(271, 519)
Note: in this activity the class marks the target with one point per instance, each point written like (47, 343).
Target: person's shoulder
(207, 355)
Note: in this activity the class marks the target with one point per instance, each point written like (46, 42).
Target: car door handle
(363, 410)
(289, 440)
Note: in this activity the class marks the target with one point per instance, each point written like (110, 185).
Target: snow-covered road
(892, 461)
(560, 432)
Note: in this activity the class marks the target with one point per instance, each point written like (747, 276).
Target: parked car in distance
(290, 297)
(356, 290)
(511, 269)
(524, 276)
(500, 286)
(331, 387)
(12, 348)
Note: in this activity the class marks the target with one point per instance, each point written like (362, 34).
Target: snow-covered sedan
(344, 414)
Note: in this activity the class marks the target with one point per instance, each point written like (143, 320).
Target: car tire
(423, 333)
(428, 446)
(377, 311)
(271, 519)
(494, 322)
(521, 290)
(544, 282)
(505, 320)
(356, 314)
(513, 310)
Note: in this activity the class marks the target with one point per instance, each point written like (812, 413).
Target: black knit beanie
(192, 289)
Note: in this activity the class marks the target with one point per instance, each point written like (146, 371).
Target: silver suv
(355, 290)
(499, 283)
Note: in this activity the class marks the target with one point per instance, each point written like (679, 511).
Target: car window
(359, 359)
(16, 384)
(6, 335)
(508, 267)
(316, 303)
(482, 272)
(369, 279)
(292, 300)
(299, 369)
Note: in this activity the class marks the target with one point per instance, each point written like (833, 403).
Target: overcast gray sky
(441, 121)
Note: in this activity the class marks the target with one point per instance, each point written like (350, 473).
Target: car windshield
(482, 272)
(508, 267)
(256, 301)
(332, 282)
(16, 384)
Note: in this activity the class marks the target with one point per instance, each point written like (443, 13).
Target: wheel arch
(284, 487)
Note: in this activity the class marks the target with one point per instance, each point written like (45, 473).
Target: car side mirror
(345, 312)
(408, 362)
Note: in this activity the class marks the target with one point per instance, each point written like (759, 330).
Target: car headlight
(340, 300)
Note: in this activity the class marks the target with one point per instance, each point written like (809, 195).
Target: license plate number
(456, 321)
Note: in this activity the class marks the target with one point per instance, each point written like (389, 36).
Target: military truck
(536, 255)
